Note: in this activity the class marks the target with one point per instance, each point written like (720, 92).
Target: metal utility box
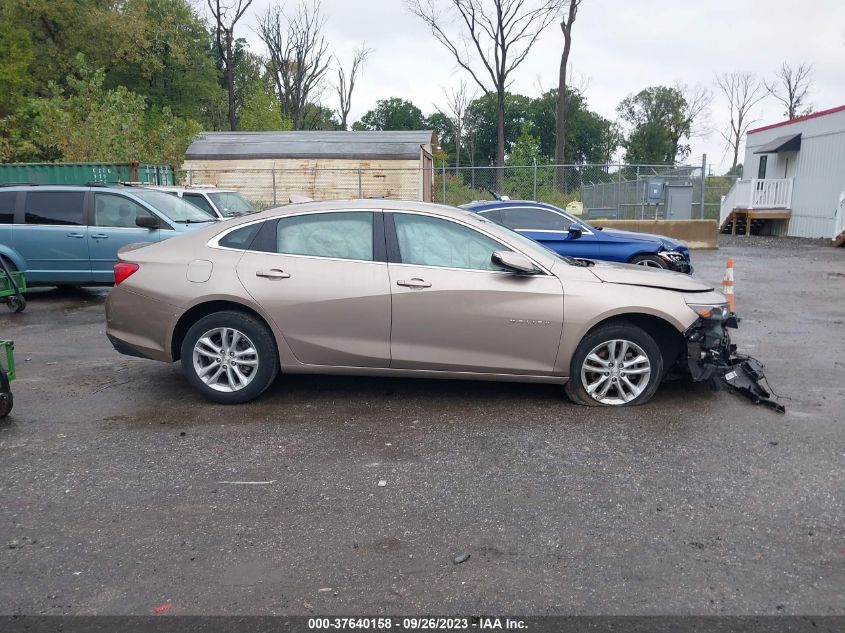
(678, 202)
(654, 190)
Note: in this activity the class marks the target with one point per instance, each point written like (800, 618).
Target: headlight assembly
(718, 312)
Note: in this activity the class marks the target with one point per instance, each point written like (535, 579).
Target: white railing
(757, 193)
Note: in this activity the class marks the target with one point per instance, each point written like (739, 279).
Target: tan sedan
(387, 288)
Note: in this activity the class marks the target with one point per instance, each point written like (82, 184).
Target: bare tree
(226, 15)
(298, 56)
(743, 91)
(791, 86)
(560, 114)
(346, 83)
(692, 118)
(495, 38)
(457, 103)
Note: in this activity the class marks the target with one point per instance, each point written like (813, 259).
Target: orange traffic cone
(728, 284)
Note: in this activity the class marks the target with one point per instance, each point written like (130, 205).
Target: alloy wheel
(225, 359)
(615, 372)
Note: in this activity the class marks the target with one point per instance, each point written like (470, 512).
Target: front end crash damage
(713, 359)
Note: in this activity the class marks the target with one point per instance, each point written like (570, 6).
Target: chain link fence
(594, 190)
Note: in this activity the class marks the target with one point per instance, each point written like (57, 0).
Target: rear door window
(54, 207)
(7, 206)
(337, 235)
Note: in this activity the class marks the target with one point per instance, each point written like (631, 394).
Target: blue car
(70, 235)
(567, 235)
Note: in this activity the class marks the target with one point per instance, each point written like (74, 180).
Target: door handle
(416, 282)
(77, 236)
(273, 273)
(100, 236)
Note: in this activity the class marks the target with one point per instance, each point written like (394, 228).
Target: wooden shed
(269, 167)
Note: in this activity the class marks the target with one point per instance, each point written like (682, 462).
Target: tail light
(123, 270)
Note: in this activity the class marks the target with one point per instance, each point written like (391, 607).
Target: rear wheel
(615, 365)
(230, 357)
(652, 261)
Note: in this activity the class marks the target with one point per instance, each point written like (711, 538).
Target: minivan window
(199, 200)
(174, 208)
(54, 207)
(336, 235)
(117, 211)
(7, 206)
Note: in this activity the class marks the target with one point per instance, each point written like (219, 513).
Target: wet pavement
(121, 489)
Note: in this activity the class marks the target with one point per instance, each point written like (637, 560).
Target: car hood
(630, 236)
(632, 275)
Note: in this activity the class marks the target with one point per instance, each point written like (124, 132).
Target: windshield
(231, 203)
(174, 208)
(528, 243)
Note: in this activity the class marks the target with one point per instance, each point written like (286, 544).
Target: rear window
(7, 206)
(240, 239)
(54, 207)
(200, 201)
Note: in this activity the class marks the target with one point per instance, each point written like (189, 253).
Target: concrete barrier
(696, 233)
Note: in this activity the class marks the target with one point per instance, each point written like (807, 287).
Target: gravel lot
(114, 493)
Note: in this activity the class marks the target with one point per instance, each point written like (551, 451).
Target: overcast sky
(619, 47)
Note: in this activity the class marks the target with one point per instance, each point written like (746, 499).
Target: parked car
(558, 230)
(218, 203)
(390, 288)
(70, 235)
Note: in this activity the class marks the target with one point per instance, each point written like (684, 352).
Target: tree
(298, 56)
(743, 91)
(501, 32)
(457, 103)
(590, 137)
(392, 114)
(791, 86)
(88, 122)
(346, 82)
(660, 117)
(482, 125)
(226, 16)
(562, 92)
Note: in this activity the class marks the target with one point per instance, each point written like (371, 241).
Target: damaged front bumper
(712, 358)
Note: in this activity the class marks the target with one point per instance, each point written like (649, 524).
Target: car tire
(624, 386)
(233, 333)
(649, 260)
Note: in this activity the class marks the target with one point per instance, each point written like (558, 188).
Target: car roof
(199, 189)
(109, 188)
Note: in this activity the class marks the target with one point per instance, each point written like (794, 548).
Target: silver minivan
(70, 235)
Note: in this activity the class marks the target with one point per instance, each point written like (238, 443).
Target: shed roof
(310, 144)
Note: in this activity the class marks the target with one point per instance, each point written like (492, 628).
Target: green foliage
(88, 122)
(261, 112)
(15, 59)
(481, 139)
(658, 122)
(392, 114)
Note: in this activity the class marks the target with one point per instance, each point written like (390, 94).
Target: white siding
(818, 170)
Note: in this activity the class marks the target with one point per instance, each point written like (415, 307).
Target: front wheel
(652, 261)
(230, 357)
(615, 365)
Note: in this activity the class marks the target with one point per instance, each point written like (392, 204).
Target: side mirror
(516, 262)
(147, 222)
(575, 232)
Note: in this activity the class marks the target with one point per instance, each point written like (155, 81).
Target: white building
(793, 179)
